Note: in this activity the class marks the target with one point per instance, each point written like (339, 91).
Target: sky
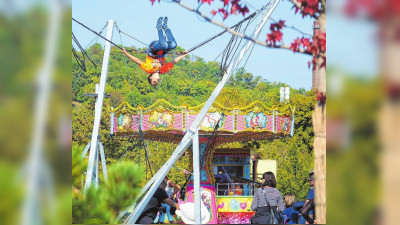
(354, 42)
(138, 19)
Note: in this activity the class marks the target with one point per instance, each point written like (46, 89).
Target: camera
(163, 210)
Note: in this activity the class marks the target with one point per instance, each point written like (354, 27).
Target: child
(155, 61)
(293, 215)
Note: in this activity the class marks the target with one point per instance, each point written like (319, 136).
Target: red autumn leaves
(230, 7)
(152, 1)
(308, 7)
(276, 34)
(377, 10)
(315, 46)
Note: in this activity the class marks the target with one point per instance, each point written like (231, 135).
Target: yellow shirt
(153, 65)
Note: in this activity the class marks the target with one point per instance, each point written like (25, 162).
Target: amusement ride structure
(220, 181)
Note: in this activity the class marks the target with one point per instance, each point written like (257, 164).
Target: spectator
(149, 213)
(269, 193)
(309, 204)
(290, 212)
(171, 189)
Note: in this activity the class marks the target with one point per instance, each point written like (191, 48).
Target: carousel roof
(165, 122)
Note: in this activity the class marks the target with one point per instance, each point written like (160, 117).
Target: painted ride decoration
(226, 186)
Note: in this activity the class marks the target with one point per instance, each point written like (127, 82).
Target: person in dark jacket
(149, 213)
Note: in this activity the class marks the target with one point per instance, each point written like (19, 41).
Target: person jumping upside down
(155, 60)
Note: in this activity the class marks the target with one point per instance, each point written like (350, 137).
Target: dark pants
(145, 220)
(263, 215)
(306, 209)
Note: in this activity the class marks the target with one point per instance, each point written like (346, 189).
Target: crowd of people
(269, 205)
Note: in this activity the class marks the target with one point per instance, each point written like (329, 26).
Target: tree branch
(298, 30)
(234, 32)
(293, 28)
(288, 48)
(297, 51)
(298, 5)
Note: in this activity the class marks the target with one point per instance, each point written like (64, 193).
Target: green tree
(295, 156)
(102, 204)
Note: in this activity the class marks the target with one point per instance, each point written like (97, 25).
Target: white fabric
(169, 190)
(186, 211)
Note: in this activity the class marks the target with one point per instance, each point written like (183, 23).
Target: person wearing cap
(309, 204)
(155, 60)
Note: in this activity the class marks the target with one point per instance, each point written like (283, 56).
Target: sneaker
(159, 23)
(164, 26)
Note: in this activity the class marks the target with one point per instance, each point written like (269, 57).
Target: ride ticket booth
(233, 185)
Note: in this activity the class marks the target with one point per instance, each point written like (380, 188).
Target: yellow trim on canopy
(162, 104)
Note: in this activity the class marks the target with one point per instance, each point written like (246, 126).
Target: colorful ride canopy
(165, 122)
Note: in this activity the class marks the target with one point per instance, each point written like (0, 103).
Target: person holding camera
(149, 213)
(171, 189)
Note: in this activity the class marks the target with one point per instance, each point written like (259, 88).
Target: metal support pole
(99, 105)
(102, 158)
(96, 173)
(31, 205)
(103, 161)
(154, 182)
(196, 173)
(85, 150)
